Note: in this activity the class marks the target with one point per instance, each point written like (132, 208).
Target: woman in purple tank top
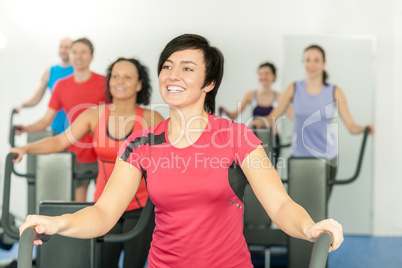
(264, 99)
(310, 98)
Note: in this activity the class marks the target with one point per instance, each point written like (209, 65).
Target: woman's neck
(183, 119)
(265, 88)
(121, 120)
(185, 127)
(314, 83)
(124, 107)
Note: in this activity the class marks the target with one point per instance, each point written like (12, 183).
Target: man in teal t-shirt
(49, 78)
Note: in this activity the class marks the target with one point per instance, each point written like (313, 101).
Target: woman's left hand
(371, 126)
(331, 226)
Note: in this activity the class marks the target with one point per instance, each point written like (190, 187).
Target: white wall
(247, 32)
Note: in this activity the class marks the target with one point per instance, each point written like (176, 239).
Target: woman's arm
(245, 101)
(345, 114)
(289, 110)
(283, 104)
(98, 219)
(39, 125)
(288, 215)
(58, 143)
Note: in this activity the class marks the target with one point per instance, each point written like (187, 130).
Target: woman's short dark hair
(269, 65)
(325, 75)
(213, 59)
(144, 95)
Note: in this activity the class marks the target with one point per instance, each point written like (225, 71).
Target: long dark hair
(325, 75)
(213, 58)
(144, 95)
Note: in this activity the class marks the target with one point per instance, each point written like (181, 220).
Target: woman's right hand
(20, 129)
(42, 224)
(328, 225)
(18, 108)
(19, 151)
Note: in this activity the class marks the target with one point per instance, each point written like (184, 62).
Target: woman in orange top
(110, 124)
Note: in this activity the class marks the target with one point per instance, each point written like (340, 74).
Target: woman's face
(124, 81)
(314, 63)
(265, 76)
(182, 77)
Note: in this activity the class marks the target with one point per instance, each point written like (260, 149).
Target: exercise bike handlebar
(13, 128)
(359, 162)
(265, 129)
(133, 233)
(6, 222)
(29, 235)
(11, 137)
(10, 230)
(27, 175)
(9, 169)
(319, 255)
(12, 134)
(26, 246)
(11, 140)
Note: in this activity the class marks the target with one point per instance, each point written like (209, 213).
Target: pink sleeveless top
(106, 149)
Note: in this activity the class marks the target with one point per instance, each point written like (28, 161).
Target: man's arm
(39, 125)
(36, 98)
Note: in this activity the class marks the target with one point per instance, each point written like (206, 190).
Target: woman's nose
(174, 74)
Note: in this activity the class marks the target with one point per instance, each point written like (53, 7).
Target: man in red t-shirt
(75, 94)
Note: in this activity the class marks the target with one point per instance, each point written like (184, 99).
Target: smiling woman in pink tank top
(185, 161)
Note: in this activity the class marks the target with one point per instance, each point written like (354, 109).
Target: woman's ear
(139, 86)
(209, 87)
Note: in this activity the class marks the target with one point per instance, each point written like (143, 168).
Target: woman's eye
(187, 69)
(166, 67)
